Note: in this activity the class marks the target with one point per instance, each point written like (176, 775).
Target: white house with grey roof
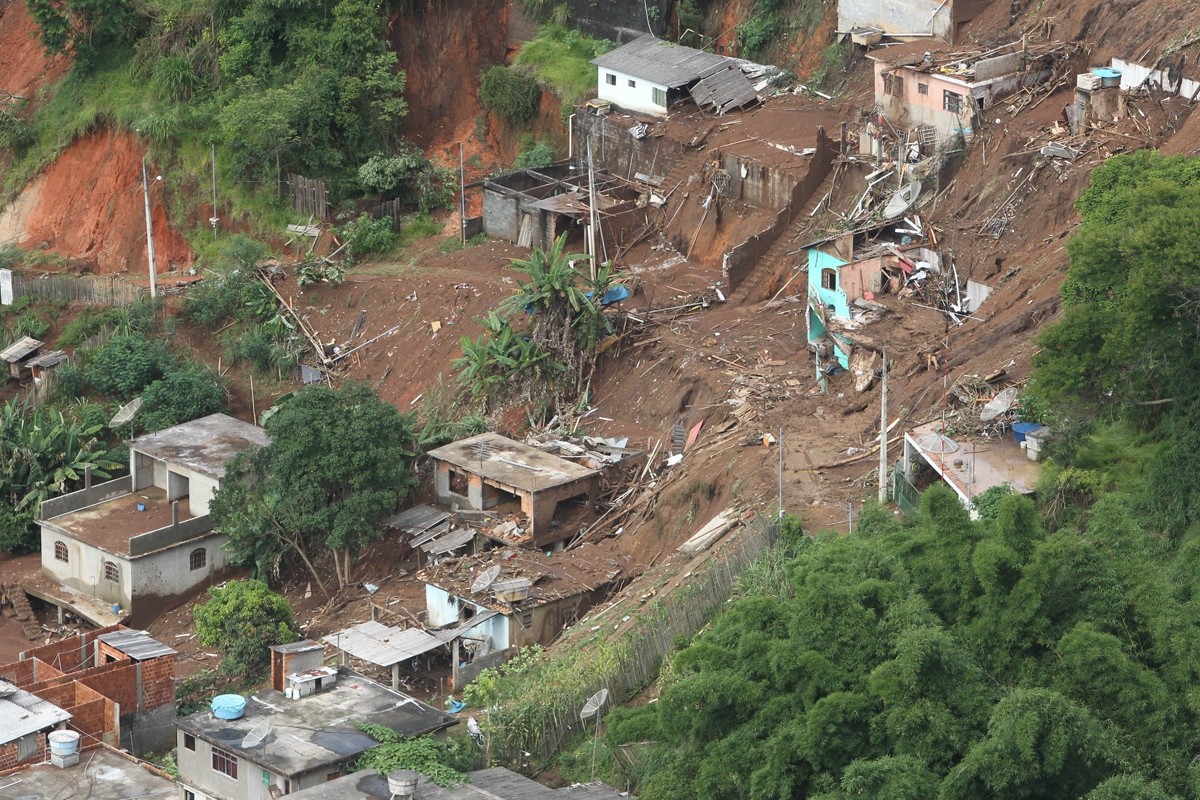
(144, 541)
(287, 741)
(649, 74)
(25, 719)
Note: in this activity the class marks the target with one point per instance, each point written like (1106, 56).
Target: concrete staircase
(22, 611)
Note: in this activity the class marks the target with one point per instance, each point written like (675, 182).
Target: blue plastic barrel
(228, 706)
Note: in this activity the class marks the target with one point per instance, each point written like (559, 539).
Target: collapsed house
(533, 207)
(279, 742)
(113, 687)
(486, 471)
(502, 600)
(649, 75)
(132, 546)
(929, 95)
(867, 21)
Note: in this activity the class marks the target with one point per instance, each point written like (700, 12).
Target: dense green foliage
(244, 618)
(411, 176)
(554, 358)
(774, 21)
(338, 462)
(445, 762)
(44, 452)
(1132, 293)
(559, 58)
(511, 93)
(942, 658)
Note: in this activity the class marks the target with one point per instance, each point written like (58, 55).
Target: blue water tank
(1020, 429)
(228, 706)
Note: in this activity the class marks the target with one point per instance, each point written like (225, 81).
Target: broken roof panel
(724, 88)
(449, 542)
(416, 519)
(204, 445)
(383, 645)
(500, 459)
(51, 359)
(658, 61)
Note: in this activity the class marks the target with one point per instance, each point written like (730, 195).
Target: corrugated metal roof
(724, 88)
(20, 349)
(138, 645)
(416, 519)
(383, 645)
(22, 713)
(51, 359)
(449, 542)
(660, 62)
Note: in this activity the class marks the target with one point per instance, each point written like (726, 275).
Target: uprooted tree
(555, 356)
(339, 461)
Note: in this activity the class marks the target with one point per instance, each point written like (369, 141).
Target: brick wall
(158, 682)
(70, 654)
(9, 755)
(25, 673)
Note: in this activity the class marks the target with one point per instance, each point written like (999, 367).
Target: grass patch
(559, 57)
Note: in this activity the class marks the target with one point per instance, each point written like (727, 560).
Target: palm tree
(564, 305)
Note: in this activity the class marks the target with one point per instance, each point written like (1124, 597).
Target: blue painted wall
(836, 299)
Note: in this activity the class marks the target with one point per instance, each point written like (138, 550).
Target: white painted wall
(84, 571)
(638, 97)
(443, 608)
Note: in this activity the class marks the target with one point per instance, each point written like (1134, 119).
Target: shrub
(30, 323)
(125, 365)
(187, 392)
(533, 155)
(245, 618)
(14, 133)
(511, 93)
(70, 382)
(364, 235)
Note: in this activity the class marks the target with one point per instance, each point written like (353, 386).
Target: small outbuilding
(483, 471)
(18, 355)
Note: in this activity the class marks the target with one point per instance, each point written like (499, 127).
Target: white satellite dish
(486, 579)
(596, 702)
(257, 735)
(998, 405)
(126, 414)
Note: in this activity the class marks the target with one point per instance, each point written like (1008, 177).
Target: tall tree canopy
(940, 658)
(339, 461)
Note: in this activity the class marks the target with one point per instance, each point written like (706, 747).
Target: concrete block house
(143, 542)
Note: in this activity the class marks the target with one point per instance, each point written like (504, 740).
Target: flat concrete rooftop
(317, 730)
(100, 774)
(981, 464)
(204, 445)
(109, 525)
(495, 783)
(503, 460)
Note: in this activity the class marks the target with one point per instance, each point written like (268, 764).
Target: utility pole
(213, 219)
(883, 434)
(779, 444)
(592, 211)
(462, 193)
(149, 232)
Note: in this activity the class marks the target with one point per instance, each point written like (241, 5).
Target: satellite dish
(486, 579)
(257, 735)
(596, 702)
(126, 414)
(999, 404)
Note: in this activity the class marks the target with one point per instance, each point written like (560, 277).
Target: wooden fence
(309, 196)
(541, 728)
(97, 290)
(389, 209)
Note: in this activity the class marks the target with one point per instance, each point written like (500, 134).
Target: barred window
(225, 763)
(659, 96)
(952, 101)
(112, 572)
(198, 559)
(60, 553)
